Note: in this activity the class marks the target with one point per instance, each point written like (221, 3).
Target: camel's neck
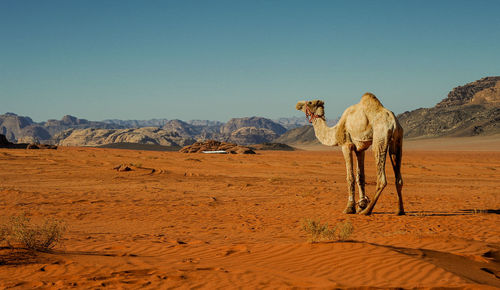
(326, 135)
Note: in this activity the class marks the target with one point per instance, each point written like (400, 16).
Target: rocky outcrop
(96, 137)
(213, 145)
(20, 128)
(469, 110)
(137, 123)
(4, 143)
(256, 122)
(182, 128)
(242, 131)
(296, 122)
(15, 127)
(196, 129)
(485, 91)
(469, 120)
(239, 130)
(252, 135)
(70, 122)
(299, 136)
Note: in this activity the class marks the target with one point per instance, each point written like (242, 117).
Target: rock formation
(4, 143)
(96, 137)
(484, 91)
(70, 122)
(299, 136)
(239, 130)
(15, 127)
(252, 135)
(213, 145)
(469, 110)
(257, 122)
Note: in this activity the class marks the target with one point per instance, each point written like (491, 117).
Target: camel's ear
(300, 105)
(318, 103)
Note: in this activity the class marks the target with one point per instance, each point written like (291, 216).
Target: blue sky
(222, 59)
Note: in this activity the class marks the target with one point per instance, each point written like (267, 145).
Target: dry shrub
(345, 230)
(322, 232)
(38, 237)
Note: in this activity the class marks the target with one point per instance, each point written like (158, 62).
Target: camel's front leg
(351, 205)
(360, 180)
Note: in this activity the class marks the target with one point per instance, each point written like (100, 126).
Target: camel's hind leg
(380, 152)
(396, 153)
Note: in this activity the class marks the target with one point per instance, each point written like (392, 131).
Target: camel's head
(315, 109)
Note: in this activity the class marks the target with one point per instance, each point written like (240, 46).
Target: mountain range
(468, 110)
(80, 132)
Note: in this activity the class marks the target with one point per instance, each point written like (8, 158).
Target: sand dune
(194, 220)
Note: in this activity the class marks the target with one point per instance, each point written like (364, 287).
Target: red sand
(234, 220)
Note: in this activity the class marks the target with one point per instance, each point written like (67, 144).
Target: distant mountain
(292, 122)
(23, 129)
(257, 122)
(205, 123)
(137, 123)
(198, 129)
(468, 110)
(242, 131)
(252, 135)
(14, 127)
(298, 136)
(485, 91)
(97, 137)
(158, 123)
(71, 122)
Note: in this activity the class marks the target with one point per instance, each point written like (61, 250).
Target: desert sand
(226, 221)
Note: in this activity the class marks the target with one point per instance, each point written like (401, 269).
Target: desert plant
(37, 237)
(345, 230)
(322, 232)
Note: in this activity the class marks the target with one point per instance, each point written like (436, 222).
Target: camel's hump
(370, 101)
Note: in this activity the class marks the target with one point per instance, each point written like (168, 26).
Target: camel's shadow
(473, 211)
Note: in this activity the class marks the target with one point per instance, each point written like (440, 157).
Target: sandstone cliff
(96, 137)
(252, 135)
(15, 127)
(257, 122)
(469, 110)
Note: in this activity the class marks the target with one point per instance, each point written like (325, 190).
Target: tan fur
(340, 134)
(363, 125)
(370, 102)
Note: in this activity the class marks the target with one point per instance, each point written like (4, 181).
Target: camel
(362, 125)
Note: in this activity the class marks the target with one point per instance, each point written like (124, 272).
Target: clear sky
(222, 59)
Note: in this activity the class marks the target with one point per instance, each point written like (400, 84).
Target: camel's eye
(309, 102)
